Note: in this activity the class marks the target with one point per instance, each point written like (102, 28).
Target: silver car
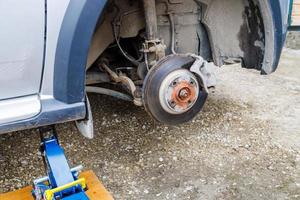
(157, 54)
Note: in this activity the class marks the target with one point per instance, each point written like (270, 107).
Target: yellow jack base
(96, 191)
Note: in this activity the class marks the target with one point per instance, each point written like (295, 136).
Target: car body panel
(22, 47)
(19, 108)
(56, 10)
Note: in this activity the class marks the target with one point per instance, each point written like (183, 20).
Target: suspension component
(125, 81)
(153, 48)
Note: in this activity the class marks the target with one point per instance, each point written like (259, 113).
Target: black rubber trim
(72, 49)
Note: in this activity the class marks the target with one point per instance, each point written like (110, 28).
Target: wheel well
(226, 31)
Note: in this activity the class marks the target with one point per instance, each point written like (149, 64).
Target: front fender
(72, 49)
(280, 20)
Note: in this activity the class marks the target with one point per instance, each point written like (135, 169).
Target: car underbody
(162, 54)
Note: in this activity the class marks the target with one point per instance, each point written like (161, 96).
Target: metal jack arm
(61, 182)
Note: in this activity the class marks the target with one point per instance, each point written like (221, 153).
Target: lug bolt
(173, 104)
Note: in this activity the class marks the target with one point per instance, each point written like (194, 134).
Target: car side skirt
(53, 112)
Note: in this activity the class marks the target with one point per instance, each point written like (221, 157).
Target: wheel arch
(72, 49)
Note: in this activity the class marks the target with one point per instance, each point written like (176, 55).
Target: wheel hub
(179, 91)
(172, 94)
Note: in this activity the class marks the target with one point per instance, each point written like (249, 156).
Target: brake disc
(172, 94)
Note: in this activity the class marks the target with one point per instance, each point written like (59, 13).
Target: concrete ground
(244, 145)
(293, 40)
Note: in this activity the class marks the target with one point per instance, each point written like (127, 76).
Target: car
(157, 54)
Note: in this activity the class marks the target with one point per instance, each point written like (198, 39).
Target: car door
(22, 36)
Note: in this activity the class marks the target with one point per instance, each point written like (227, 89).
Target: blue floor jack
(61, 182)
